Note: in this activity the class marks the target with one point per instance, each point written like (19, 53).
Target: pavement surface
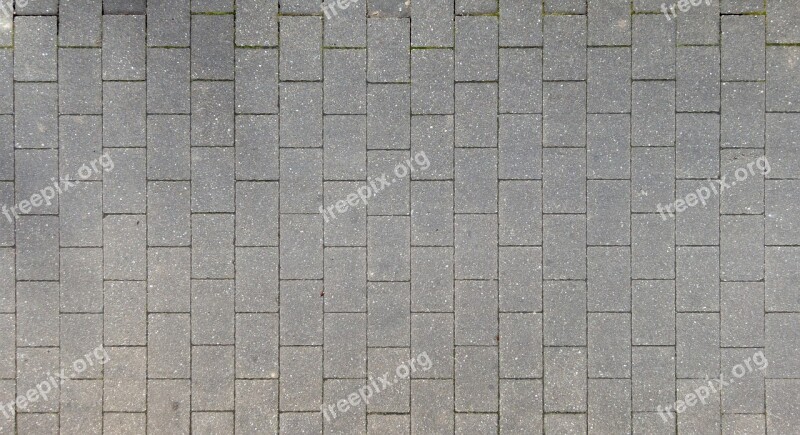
(372, 216)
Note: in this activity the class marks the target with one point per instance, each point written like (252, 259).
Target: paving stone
(255, 356)
(696, 146)
(124, 249)
(347, 27)
(697, 283)
(564, 321)
(34, 170)
(80, 143)
(653, 48)
(300, 422)
(6, 148)
(781, 97)
(747, 195)
(169, 208)
(169, 346)
(520, 213)
(129, 7)
(652, 247)
(256, 23)
(168, 87)
(82, 406)
(348, 228)
(520, 346)
(475, 313)
(564, 119)
(170, 404)
(346, 355)
(213, 187)
(702, 419)
(609, 346)
(608, 279)
(432, 26)
(561, 258)
(475, 169)
(213, 379)
(388, 46)
(257, 279)
(652, 178)
(476, 115)
(600, 14)
(697, 89)
(476, 382)
(212, 113)
(778, 278)
(565, 7)
(301, 380)
(345, 85)
(124, 313)
(432, 405)
(301, 178)
(741, 248)
(564, 181)
(743, 106)
(168, 280)
(257, 405)
(207, 423)
(389, 117)
(432, 213)
(782, 22)
(609, 80)
(476, 43)
(80, 24)
(388, 307)
(125, 188)
(208, 6)
(256, 142)
(124, 119)
(520, 83)
(36, 56)
(782, 345)
(432, 78)
(742, 55)
(7, 279)
(345, 284)
(388, 424)
(476, 246)
(125, 380)
(301, 247)
(393, 199)
(609, 406)
(168, 142)
(168, 23)
(653, 113)
(36, 115)
(741, 318)
(608, 147)
(464, 7)
(652, 378)
(564, 47)
(212, 47)
(564, 385)
(652, 313)
(82, 216)
(300, 48)
(432, 279)
(744, 423)
(433, 136)
(394, 398)
(37, 307)
(699, 26)
(37, 248)
(79, 90)
(301, 117)
(301, 313)
(697, 345)
(779, 395)
(212, 246)
(608, 219)
(781, 150)
(124, 47)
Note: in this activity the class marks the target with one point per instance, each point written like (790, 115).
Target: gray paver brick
(349, 26)
(345, 81)
(124, 47)
(476, 181)
(563, 180)
(212, 246)
(301, 313)
(300, 48)
(79, 88)
(168, 23)
(36, 56)
(37, 248)
(609, 80)
(212, 47)
(80, 23)
(301, 114)
(652, 313)
(476, 382)
(476, 246)
(564, 47)
(433, 25)
(124, 119)
(168, 217)
(168, 87)
(124, 313)
(564, 119)
(475, 313)
(521, 24)
(388, 47)
(257, 147)
(345, 279)
(257, 346)
(601, 14)
(389, 318)
(520, 213)
(476, 115)
(389, 116)
(564, 385)
(212, 379)
(431, 81)
(213, 187)
(520, 80)
(36, 115)
(564, 322)
(125, 187)
(124, 248)
(782, 22)
(476, 44)
(168, 147)
(256, 22)
(168, 280)
(169, 404)
(301, 247)
(169, 346)
(212, 113)
(561, 252)
(653, 47)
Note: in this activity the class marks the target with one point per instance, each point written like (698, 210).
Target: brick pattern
(529, 261)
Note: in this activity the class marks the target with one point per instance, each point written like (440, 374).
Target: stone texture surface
(227, 217)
